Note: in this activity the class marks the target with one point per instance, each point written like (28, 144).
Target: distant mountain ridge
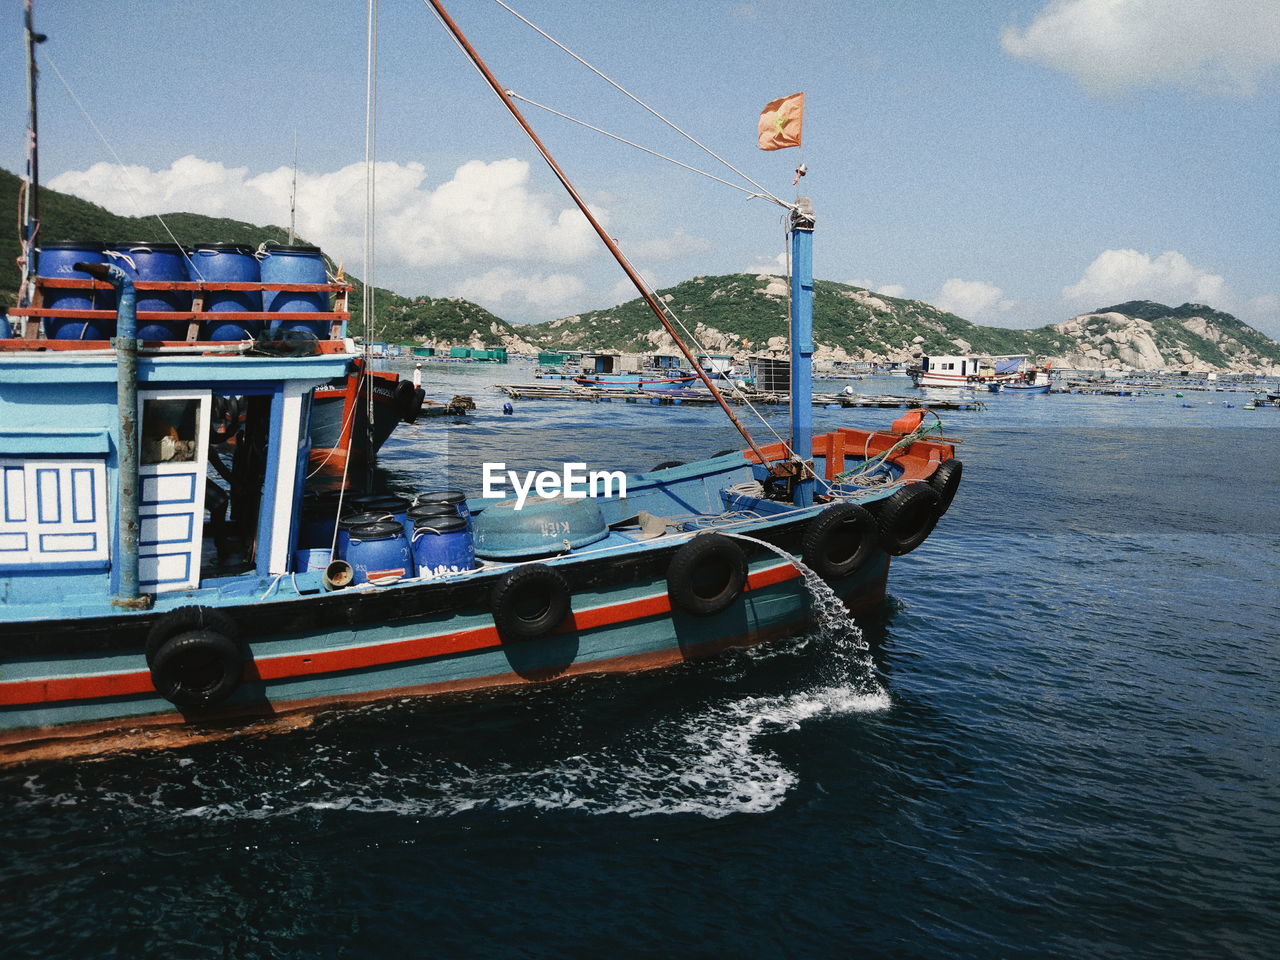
(743, 313)
(738, 313)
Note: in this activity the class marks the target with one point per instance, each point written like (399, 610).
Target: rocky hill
(743, 313)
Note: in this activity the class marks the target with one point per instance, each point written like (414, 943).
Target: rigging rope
(367, 288)
(123, 170)
(630, 143)
(764, 193)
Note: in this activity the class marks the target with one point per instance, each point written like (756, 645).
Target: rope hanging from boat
(868, 473)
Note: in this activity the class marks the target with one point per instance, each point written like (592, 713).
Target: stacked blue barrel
(57, 261)
(214, 263)
(294, 264)
(163, 262)
(442, 537)
(228, 263)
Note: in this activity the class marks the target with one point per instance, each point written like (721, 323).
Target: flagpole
(801, 230)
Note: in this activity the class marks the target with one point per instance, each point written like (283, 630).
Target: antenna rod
(634, 277)
(293, 192)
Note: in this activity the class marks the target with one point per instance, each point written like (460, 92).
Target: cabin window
(53, 512)
(170, 430)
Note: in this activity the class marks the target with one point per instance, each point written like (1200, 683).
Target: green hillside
(751, 309)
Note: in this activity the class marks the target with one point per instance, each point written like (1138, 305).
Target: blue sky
(1017, 162)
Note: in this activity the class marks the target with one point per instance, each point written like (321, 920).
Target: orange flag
(780, 122)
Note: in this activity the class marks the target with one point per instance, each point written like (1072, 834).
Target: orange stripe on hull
(287, 666)
(163, 731)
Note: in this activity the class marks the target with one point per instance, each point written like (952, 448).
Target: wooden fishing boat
(340, 430)
(634, 381)
(126, 625)
(970, 372)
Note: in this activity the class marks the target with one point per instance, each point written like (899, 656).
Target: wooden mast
(31, 198)
(608, 241)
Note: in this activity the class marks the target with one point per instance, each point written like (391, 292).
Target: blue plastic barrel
(380, 552)
(319, 518)
(453, 498)
(353, 520)
(228, 263)
(316, 558)
(442, 545)
(58, 260)
(156, 262)
(435, 511)
(296, 264)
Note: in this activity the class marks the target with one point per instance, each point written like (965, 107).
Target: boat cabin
(220, 436)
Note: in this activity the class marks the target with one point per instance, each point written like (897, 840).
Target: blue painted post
(125, 343)
(802, 345)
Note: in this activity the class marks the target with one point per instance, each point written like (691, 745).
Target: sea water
(1065, 745)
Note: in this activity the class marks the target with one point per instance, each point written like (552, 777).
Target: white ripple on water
(710, 764)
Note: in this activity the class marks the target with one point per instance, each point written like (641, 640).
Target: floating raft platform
(547, 391)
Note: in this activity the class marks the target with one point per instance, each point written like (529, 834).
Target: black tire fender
(185, 619)
(839, 540)
(667, 465)
(908, 517)
(529, 602)
(946, 480)
(408, 400)
(197, 669)
(706, 575)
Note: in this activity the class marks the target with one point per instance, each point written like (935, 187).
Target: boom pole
(608, 241)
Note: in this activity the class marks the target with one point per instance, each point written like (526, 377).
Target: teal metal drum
(379, 552)
(228, 263)
(294, 264)
(542, 528)
(57, 261)
(156, 262)
(443, 545)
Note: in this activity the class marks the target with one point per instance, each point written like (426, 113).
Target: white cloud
(1116, 276)
(974, 300)
(888, 289)
(1119, 275)
(679, 244)
(503, 286)
(624, 290)
(1213, 46)
(775, 265)
(486, 213)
